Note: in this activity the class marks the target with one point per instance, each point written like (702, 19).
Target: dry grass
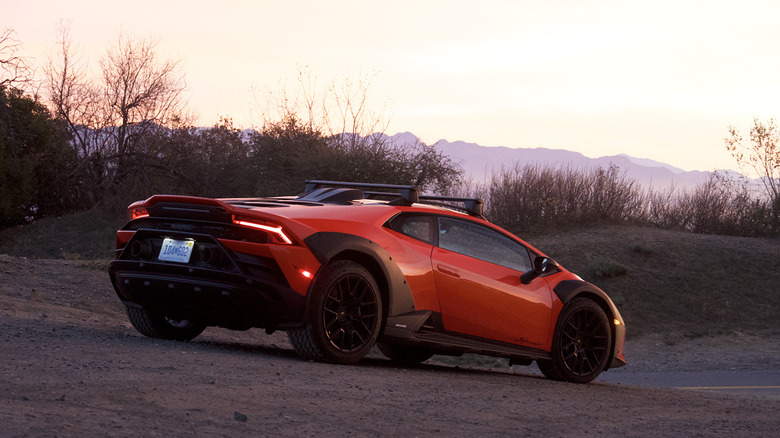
(85, 235)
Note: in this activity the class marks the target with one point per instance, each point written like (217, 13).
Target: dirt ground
(71, 365)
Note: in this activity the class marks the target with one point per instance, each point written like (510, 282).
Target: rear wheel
(581, 343)
(155, 325)
(344, 316)
(405, 353)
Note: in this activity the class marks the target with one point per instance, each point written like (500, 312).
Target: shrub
(604, 268)
(534, 197)
(642, 248)
(718, 206)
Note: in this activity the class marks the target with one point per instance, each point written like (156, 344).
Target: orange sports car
(346, 266)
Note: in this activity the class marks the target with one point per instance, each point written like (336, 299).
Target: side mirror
(541, 265)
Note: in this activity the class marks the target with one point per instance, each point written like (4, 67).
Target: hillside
(677, 282)
(671, 282)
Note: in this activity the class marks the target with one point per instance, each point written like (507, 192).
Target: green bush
(604, 268)
(642, 248)
(35, 162)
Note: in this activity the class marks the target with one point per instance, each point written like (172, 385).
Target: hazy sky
(659, 79)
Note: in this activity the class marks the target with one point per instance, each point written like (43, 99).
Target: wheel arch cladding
(328, 246)
(569, 289)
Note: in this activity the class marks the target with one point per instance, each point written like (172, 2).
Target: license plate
(176, 250)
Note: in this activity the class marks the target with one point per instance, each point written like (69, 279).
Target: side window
(482, 243)
(420, 227)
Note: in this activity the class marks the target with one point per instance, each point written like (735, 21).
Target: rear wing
(402, 195)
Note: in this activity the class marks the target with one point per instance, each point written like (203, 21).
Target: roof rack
(405, 195)
(472, 206)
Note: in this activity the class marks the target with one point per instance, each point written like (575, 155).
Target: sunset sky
(658, 79)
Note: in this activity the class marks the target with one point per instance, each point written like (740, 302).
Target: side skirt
(425, 329)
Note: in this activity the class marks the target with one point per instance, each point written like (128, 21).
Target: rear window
(420, 227)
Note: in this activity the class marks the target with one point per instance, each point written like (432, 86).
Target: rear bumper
(212, 297)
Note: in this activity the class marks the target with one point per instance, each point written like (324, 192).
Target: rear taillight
(137, 213)
(275, 232)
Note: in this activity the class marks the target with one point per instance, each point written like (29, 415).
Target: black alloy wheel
(350, 312)
(582, 342)
(344, 315)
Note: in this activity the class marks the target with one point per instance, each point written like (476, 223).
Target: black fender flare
(566, 290)
(328, 245)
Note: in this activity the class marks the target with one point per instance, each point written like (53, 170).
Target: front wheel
(581, 343)
(156, 325)
(344, 315)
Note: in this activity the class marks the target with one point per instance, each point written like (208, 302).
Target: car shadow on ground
(373, 361)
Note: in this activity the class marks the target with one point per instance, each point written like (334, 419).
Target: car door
(412, 253)
(477, 272)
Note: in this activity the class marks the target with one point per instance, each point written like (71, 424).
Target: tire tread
(157, 326)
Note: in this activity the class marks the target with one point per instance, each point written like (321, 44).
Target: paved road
(765, 384)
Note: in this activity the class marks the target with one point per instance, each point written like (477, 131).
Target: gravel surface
(72, 365)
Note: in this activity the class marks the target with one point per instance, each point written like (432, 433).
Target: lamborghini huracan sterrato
(346, 266)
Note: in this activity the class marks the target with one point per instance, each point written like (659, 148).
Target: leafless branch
(13, 68)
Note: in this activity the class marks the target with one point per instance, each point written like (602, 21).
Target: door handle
(444, 269)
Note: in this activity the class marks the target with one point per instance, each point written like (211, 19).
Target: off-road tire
(344, 315)
(581, 343)
(158, 326)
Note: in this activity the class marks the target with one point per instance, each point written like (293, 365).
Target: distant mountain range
(481, 161)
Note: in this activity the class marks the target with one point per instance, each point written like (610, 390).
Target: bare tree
(111, 119)
(336, 135)
(349, 118)
(74, 99)
(13, 68)
(762, 155)
(73, 96)
(140, 91)
(342, 113)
